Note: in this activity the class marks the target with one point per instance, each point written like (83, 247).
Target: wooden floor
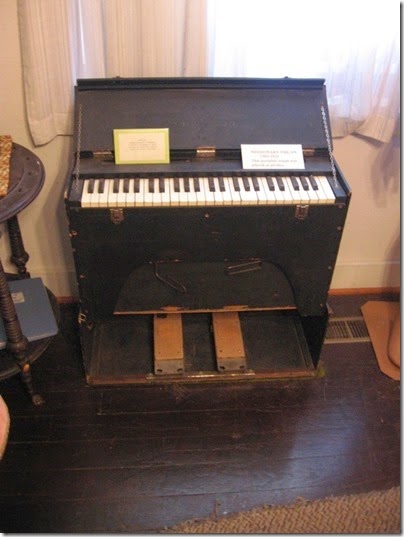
(138, 459)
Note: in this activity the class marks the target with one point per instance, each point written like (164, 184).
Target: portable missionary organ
(212, 241)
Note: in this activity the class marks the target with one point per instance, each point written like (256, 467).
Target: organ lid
(222, 113)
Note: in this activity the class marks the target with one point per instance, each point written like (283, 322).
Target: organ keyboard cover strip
(201, 234)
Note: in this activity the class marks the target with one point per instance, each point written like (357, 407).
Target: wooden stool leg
(17, 343)
(19, 256)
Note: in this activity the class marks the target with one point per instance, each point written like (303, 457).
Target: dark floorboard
(139, 458)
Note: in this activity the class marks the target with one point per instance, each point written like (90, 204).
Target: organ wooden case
(200, 268)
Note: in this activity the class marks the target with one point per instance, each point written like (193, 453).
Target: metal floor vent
(347, 330)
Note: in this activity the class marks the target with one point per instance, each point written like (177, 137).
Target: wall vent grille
(347, 330)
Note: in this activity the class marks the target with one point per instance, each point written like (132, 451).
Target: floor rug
(370, 513)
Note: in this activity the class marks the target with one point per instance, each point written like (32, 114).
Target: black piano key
(313, 182)
(136, 186)
(211, 184)
(90, 187)
(222, 187)
(197, 184)
(295, 183)
(255, 183)
(151, 185)
(186, 185)
(101, 186)
(246, 183)
(236, 184)
(281, 184)
(304, 182)
(162, 187)
(126, 185)
(270, 183)
(115, 186)
(176, 184)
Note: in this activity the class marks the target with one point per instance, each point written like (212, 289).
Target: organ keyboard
(201, 245)
(209, 190)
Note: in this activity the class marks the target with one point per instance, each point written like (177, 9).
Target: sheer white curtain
(63, 40)
(353, 44)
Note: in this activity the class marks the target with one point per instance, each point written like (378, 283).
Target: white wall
(369, 254)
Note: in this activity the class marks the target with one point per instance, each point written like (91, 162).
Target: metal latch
(116, 215)
(301, 212)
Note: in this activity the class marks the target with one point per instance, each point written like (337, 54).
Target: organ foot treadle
(123, 349)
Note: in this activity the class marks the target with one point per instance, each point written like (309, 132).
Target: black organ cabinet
(200, 269)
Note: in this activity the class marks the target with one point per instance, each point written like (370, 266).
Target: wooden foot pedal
(168, 344)
(230, 354)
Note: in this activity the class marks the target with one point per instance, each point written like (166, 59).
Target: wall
(370, 249)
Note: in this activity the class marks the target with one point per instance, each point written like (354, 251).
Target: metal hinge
(301, 212)
(116, 215)
(104, 154)
(206, 152)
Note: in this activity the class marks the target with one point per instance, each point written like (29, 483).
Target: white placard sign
(272, 156)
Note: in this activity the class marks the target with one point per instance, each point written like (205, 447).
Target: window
(353, 44)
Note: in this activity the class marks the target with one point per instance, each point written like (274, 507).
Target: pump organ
(201, 241)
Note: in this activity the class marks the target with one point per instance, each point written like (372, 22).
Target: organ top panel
(203, 112)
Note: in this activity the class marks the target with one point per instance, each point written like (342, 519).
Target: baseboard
(365, 291)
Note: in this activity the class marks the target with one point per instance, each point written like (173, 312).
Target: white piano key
(192, 199)
(174, 195)
(148, 192)
(165, 195)
(295, 195)
(262, 195)
(248, 197)
(278, 193)
(313, 198)
(200, 195)
(130, 196)
(269, 195)
(322, 197)
(103, 196)
(156, 195)
(139, 196)
(121, 197)
(326, 188)
(209, 196)
(304, 196)
(95, 196)
(86, 196)
(229, 198)
(235, 194)
(183, 196)
(217, 193)
(289, 195)
(112, 195)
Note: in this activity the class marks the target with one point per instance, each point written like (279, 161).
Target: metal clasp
(301, 212)
(116, 216)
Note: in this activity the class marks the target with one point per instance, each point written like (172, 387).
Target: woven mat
(374, 512)
(6, 144)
